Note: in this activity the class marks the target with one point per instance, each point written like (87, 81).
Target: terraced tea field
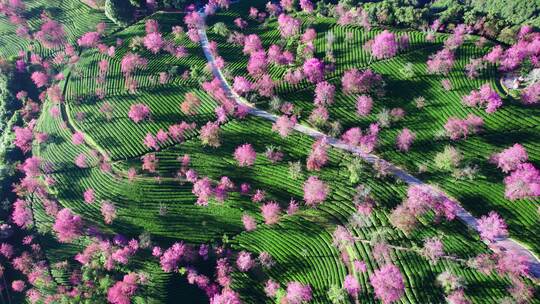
(514, 123)
(180, 215)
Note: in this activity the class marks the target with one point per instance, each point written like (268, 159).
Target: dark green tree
(512, 11)
(119, 11)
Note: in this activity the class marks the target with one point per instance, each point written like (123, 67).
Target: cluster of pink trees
(40, 79)
(456, 128)
(21, 214)
(441, 62)
(366, 142)
(523, 180)
(457, 38)
(386, 45)
(241, 85)
(89, 39)
(355, 81)
(153, 40)
(278, 56)
(284, 125)
(129, 64)
(139, 112)
(257, 64)
(193, 20)
(52, 34)
(509, 159)
(298, 293)
(175, 133)
(485, 97)
(289, 27)
(67, 225)
(352, 15)
(526, 48)
(421, 200)
(37, 178)
(388, 283)
(229, 106)
(122, 291)
(23, 137)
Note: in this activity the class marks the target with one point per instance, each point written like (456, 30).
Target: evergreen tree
(119, 11)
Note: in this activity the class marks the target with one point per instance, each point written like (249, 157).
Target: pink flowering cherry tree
(355, 81)
(245, 155)
(139, 112)
(40, 79)
(388, 284)
(456, 128)
(131, 62)
(441, 62)
(51, 34)
(509, 159)
(492, 227)
(524, 182)
(108, 210)
(531, 94)
(23, 138)
(351, 285)
(324, 94)
(209, 134)
(154, 42)
(22, 214)
(288, 26)
(67, 226)
(318, 156)
(284, 125)
(257, 63)
(485, 97)
(364, 104)
(241, 85)
(384, 45)
(244, 261)
(122, 291)
(298, 293)
(315, 191)
(405, 139)
(314, 70)
(270, 212)
(249, 222)
(89, 39)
